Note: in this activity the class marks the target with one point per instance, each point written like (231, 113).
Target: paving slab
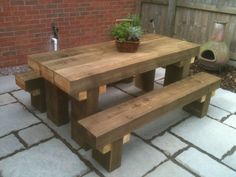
(225, 100)
(162, 123)
(91, 174)
(9, 144)
(169, 169)
(203, 165)
(137, 159)
(231, 160)
(8, 84)
(132, 90)
(64, 131)
(35, 134)
(112, 97)
(48, 159)
(207, 134)
(160, 73)
(24, 98)
(169, 143)
(6, 99)
(217, 113)
(14, 117)
(231, 121)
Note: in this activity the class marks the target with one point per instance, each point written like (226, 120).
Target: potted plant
(127, 33)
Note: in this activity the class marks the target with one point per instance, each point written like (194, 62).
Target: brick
(20, 19)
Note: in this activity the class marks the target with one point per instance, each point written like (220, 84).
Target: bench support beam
(199, 108)
(176, 72)
(57, 104)
(112, 159)
(145, 81)
(80, 110)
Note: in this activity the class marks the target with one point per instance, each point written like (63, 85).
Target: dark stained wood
(114, 123)
(81, 109)
(57, 104)
(176, 72)
(145, 81)
(111, 160)
(198, 108)
(33, 83)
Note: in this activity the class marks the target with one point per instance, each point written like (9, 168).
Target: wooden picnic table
(83, 72)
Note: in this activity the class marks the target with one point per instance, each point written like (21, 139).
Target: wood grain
(114, 123)
(105, 65)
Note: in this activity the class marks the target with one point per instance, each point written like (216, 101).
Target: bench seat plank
(112, 124)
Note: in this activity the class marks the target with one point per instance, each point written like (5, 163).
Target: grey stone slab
(14, 117)
(160, 73)
(63, 131)
(231, 160)
(203, 165)
(162, 123)
(132, 90)
(24, 97)
(6, 99)
(137, 159)
(48, 159)
(217, 113)
(9, 145)
(112, 97)
(231, 121)
(169, 143)
(225, 100)
(8, 84)
(208, 134)
(35, 134)
(91, 174)
(169, 169)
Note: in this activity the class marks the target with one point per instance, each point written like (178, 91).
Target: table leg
(81, 109)
(145, 81)
(177, 72)
(38, 97)
(57, 104)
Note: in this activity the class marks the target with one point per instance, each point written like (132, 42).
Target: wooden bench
(34, 84)
(106, 131)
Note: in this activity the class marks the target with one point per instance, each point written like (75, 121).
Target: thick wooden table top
(82, 68)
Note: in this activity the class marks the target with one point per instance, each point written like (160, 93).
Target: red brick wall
(25, 25)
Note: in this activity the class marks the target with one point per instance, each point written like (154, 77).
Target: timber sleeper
(106, 131)
(33, 83)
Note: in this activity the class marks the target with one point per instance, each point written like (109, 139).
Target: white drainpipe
(54, 43)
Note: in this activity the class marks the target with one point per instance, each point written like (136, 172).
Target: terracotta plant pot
(127, 46)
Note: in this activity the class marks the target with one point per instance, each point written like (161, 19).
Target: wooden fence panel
(194, 19)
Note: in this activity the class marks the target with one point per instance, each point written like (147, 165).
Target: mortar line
(69, 146)
(203, 151)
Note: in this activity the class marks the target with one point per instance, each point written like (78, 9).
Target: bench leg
(81, 109)
(176, 72)
(38, 99)
(145, 81)
(199, 108)
(57, 104)
(111, 160)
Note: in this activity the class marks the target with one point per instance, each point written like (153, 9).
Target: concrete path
(177, 145)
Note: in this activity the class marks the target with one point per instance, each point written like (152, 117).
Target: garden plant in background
(127, 33)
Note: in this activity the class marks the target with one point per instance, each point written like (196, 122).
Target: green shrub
(127, 30)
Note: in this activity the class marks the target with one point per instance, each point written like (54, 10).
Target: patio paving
(176, 145)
